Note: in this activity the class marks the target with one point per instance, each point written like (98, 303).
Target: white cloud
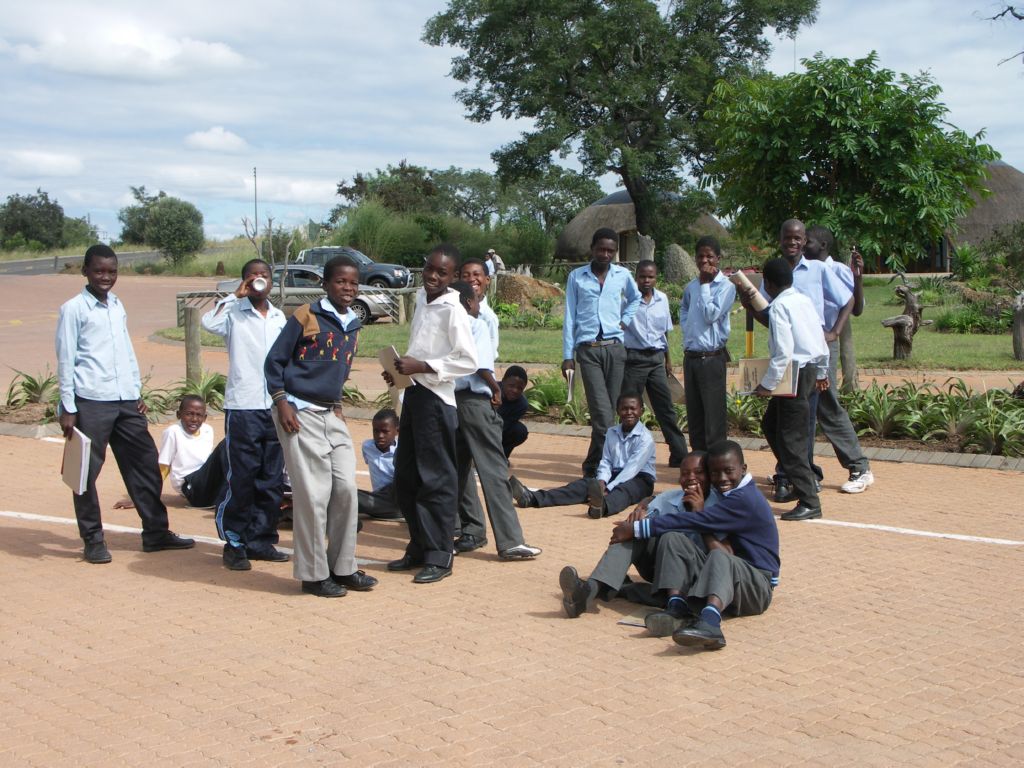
(31, 163)
(126, 50)
(217, 139)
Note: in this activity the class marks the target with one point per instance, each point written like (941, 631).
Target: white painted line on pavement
(915, 532)
(128, 529)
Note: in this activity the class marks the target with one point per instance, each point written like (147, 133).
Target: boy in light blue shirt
(379, 454)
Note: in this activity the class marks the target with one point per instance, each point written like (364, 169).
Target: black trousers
(646, 371)
(425, 475)
(119, 424)
(513, 436)
(633, 491)
(206, 487)
(704, 382)
(250, 511)
(785, 427)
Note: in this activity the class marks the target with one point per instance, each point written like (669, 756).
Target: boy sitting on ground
(625, 474)
(740, 581)
(512, 409)
(379, 454)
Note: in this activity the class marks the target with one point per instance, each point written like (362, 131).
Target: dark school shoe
(522, 495)
(272, 555)
(577, 595)
(802, 512)
(359, 581)
(168, 540)
(467, 542)
(430, 573)
(235, 559)
(783, 491)
(700, 634)
(404, 563)
(325, 588)
(664, 623)
(96, 552)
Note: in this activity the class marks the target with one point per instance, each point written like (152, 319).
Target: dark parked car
(370, 272)
(302, 281)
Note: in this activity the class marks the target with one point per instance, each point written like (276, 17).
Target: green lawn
(932, 350)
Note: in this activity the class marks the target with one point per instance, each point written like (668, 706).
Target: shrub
(26, 389)
(974, 318)
(176, 228)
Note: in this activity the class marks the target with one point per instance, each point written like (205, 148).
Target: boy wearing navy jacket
(740, 583)
(306, 369)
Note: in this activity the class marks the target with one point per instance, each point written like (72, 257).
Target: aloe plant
(26, 389)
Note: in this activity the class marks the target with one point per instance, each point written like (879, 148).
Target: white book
(387, 357)
(753, 369)
(74, 468)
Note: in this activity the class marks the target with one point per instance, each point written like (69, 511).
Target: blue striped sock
(711, 615)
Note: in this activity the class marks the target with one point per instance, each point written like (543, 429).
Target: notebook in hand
(387, 357)
(753, 369)
(74, 468)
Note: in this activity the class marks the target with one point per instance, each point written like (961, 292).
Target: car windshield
(362, 258)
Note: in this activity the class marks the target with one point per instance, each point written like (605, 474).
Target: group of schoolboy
(709, 548)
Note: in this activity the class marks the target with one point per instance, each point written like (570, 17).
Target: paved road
(45, 266)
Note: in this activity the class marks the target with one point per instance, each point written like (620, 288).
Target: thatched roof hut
(616, 212)
(1003, 207)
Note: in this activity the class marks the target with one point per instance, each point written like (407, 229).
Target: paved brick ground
(881, 648)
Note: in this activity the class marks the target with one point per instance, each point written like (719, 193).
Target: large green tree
(620, 83)
(175, 227)
(846, 145)
(32, 220)
(134, 218)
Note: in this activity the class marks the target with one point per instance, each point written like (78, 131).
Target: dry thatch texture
(1000, 209)
(615, 212)
(522, 290)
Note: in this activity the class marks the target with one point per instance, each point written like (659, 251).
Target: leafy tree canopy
(133, 218)
(36, 222)
(622, 84)
(848, 146)
(175, 227)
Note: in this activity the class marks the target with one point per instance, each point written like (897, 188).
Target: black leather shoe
(96, 552)
(404, 563)
(783, 491)
(467, 542)
(430, 573)
(168, 540)
(325, 588)
(802, 512)
(358, 581)
(664, 623)
(577, 595)
(272, 555)
(522, 495)
(700, 634)
(235, 559)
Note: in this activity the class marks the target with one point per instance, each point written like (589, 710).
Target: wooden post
(1018, 327)
(193, 346)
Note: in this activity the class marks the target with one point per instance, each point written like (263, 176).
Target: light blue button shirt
(484, 358)
(626, 456)
(672, 501)
(704, 313)
(818, 283)
(651, 324)
(95, 358)
(381, 464)
(591, 307)
(493, 324)
(249, 337)
(845, 275)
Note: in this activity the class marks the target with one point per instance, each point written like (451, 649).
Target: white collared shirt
(248, 336)
(794, 333)
(441, 337)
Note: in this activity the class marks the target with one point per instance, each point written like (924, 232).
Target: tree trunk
(1018, 327)
(643, 205)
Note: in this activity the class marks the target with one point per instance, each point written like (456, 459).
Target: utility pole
(255, 206)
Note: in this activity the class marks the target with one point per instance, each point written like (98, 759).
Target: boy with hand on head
(379, 455)
(306, 370)
(738, 578)
(794, 335)
(600, 300)
(648, 363)
(704, 319)
(441, 349)
(512, 409)
(100, 389)
(625, 474)
(478, 441)
(247, 517)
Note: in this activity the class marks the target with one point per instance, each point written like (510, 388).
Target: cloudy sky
(189, 96)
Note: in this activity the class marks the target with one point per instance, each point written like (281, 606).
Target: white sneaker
(858, 482)
(521, 552)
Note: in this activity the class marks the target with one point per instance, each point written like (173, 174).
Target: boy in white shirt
(795, 334)
(441, 349)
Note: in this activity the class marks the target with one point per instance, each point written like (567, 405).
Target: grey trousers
(478, 441)
(646, 371)
(601, 369)
(670, 561)
(321, 463)
(706, 414)
(743, 589)
(838, 429)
